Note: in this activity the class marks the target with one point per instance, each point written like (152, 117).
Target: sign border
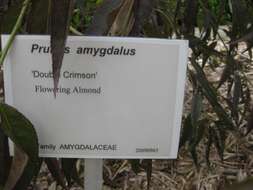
(182, 67)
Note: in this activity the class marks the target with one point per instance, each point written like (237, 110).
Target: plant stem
(75, 31)
(15, 30)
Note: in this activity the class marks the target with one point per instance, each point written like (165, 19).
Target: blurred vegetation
(220, 34)
(83, 12)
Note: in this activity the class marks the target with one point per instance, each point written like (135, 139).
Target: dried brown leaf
(124, 20)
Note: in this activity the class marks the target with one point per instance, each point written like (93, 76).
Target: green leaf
(187, 131)
(197, 135)
(228, 70)
(211, 95)
(60, 20)
(148, 168)
(21, 132)
(197, 102)
(219, 138)
(194, 155)
(237, 92)
(250, 122)
(208, 20)
(202, 126)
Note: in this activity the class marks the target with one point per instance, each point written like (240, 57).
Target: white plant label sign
(117, 97)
